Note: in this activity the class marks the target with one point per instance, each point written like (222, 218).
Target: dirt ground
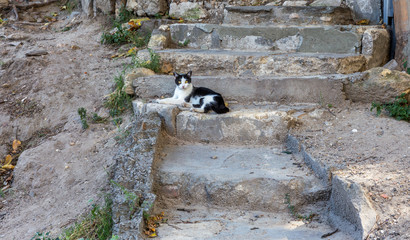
(63, 169)
(373, 151)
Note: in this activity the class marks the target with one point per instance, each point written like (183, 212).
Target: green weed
(132, 198)
(118, 101)
(83, 116)
(407, 69)
(154, 63)
(292, 210)
(399, 108)
(184, 44)
(43, 236)
(71, 5)
(97, 225)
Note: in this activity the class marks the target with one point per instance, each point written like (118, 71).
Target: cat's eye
(179, 82)
(186, 81)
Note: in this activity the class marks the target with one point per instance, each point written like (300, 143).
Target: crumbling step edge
(132, 176)
(350, 209)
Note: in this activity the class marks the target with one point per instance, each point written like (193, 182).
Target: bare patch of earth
(373, 151)
(63, 168)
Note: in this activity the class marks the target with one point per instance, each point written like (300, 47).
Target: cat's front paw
(187, 105)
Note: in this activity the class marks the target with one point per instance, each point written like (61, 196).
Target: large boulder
(134, 74)
(375, 45)
(378, 85)
(188, 10)
(147, 7)
(365, 9)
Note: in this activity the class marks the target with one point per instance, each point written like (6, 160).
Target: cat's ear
(176, 74)
(189, 74)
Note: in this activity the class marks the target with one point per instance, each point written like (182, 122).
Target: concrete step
(286, 38)
(198, 222)
(247, 177)
(256, 124)
(250, 64)
(268, 15)
(313, 89)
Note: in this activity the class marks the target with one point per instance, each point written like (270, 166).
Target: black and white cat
(198, 99)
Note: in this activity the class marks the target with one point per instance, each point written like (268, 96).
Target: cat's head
(183, 81)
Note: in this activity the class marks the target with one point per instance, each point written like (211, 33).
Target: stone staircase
(239, 175)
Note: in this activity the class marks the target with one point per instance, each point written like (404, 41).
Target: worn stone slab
(314, 39)
(252, 178)
(199, 222)
(376, 44)
(349, 202)
(242, 126)
(328, 88)
(166, 112)
(267, 15)
(251, 64)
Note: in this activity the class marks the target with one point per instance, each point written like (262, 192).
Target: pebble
(354, 130)
(36, 53)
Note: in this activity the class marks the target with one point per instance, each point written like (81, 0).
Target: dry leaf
(8, 167)
(152, 235)
(16, 145)
(384, 196)
(8, 159)
(363, 22)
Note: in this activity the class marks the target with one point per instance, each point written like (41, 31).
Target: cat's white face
(183, 83)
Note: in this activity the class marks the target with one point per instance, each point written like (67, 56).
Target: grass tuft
(399, 108)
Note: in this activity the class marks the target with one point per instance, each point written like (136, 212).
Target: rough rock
(289, 44)
(374, 46)
(295, 3)
(349, 202)
(136, 73)
(378, 85)
(159, 38)
(187, 10)
(392, 65)
(132, 174)
(147, 7)
(365, 9)
(88, 7)
(103, 6)
(352, 64)
(334, 3)
(167, 113)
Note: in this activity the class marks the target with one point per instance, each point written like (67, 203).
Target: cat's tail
(220, 107)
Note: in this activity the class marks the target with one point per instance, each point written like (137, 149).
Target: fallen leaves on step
(152, 223)
(135, 24)
(363, 22)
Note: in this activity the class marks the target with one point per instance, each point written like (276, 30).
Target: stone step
(268, 15)
(250, 64)
(198, 222)
(247, 177)
(256, 124)
(313, 89)
(284, 38)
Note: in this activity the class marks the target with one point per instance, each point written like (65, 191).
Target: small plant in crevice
(406, 68)
(43, 236)
(292, 210)
(118, 101)
(83, 116)
(96, 225)
(184, 43)
(399, 108)
(154, 63)
(134, 201)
